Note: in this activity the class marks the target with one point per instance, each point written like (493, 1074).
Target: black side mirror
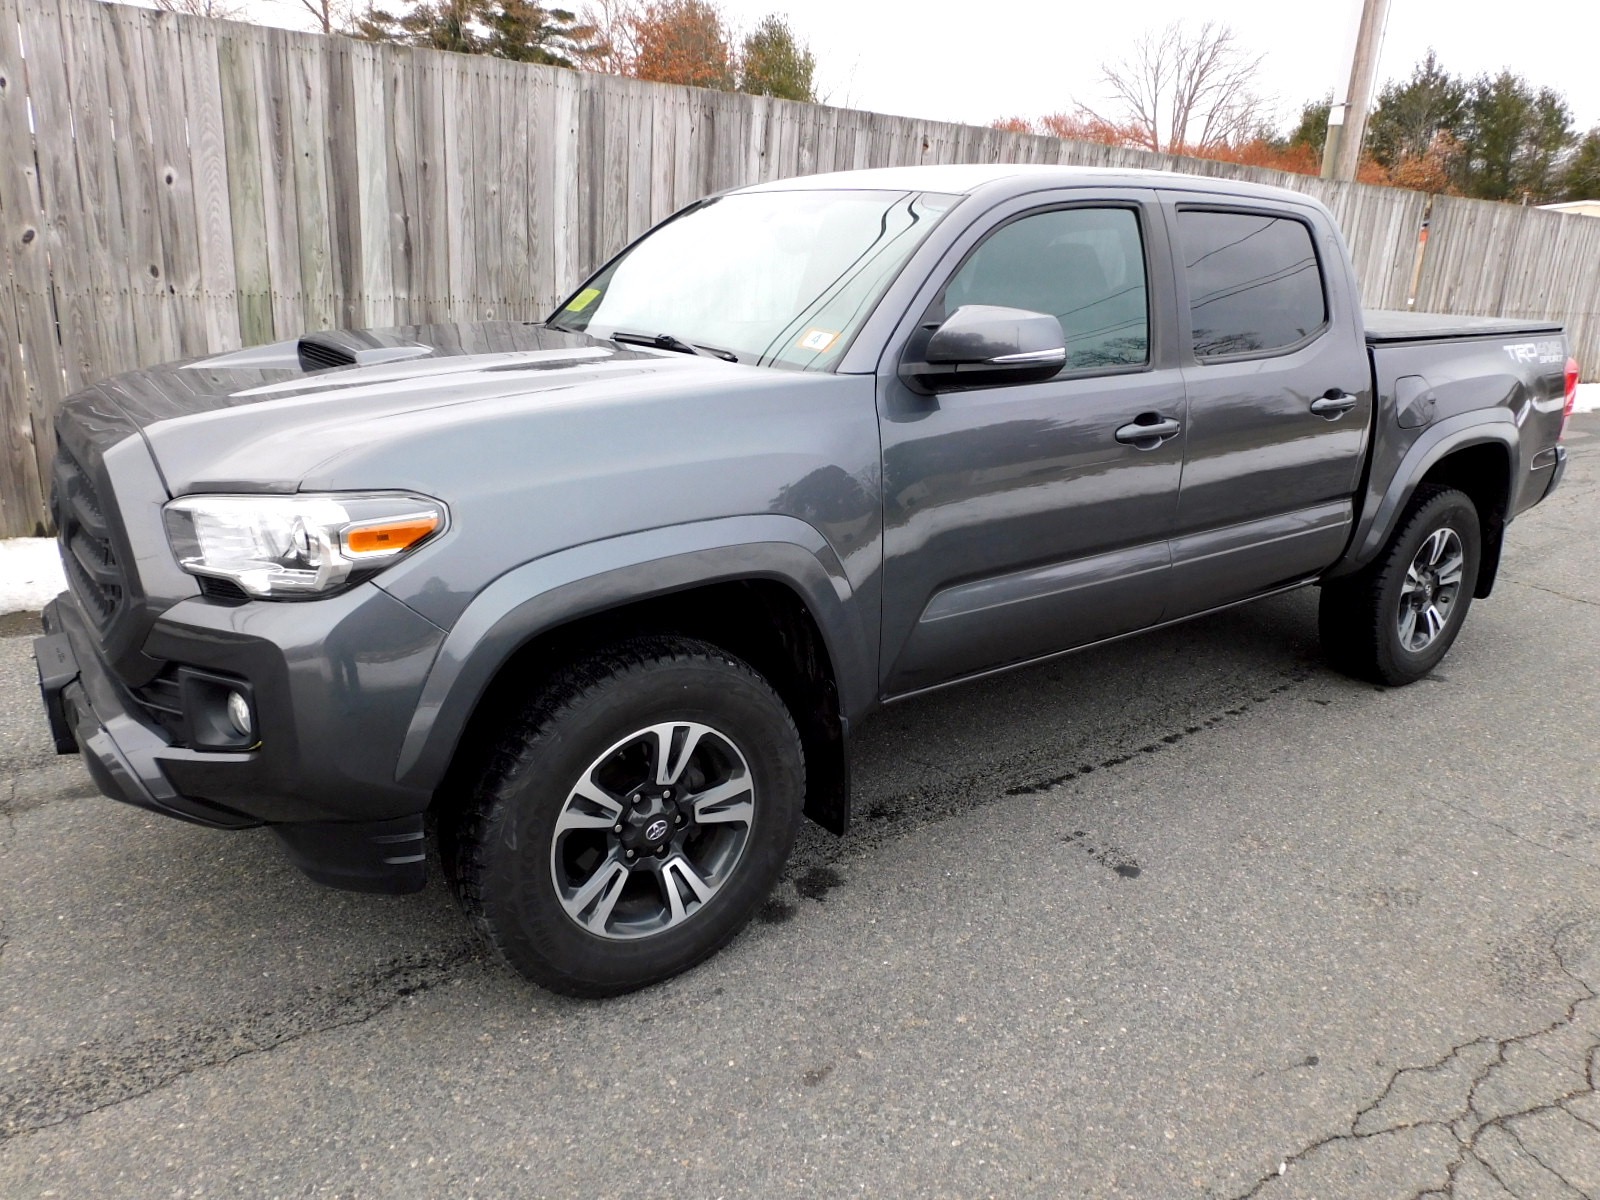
(984, 345)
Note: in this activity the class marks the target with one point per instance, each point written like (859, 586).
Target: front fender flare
(589, 579)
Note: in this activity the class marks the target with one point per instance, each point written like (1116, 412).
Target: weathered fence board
(31, 386)
(172, 186)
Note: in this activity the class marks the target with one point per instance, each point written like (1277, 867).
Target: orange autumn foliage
(1258, 152)
(1085, 127)
(681, 41)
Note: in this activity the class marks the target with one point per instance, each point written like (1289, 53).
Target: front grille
(93, 573)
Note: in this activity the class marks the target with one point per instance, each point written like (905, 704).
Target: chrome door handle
(1147, 435)
(1333, 405)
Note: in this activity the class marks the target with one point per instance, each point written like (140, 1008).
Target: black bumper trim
(1561, 469)
(57, 666)
(361, 856)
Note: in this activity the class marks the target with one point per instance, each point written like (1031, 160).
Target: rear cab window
(1255, 283)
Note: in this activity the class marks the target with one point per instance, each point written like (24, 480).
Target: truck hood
(263, 419)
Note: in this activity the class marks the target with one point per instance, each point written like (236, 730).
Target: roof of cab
(968, 178)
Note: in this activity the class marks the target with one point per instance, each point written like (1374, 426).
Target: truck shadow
(178, 905)
(924, 759)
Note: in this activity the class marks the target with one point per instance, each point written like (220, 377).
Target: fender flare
(1380, 512)
(586, 580)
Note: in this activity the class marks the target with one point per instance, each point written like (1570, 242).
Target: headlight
(304, 545)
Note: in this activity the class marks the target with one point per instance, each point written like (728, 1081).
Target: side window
(1254, 282)
(1084, 266)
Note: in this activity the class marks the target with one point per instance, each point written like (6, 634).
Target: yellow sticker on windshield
(818, 339)
(583, 299)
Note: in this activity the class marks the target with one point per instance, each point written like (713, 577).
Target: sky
(973, 63)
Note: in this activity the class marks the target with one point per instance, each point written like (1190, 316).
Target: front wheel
(1393, 621)
(634, 818)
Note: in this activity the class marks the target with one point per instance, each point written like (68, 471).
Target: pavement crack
(101, 1074)
(1510, 832)
(1539, 587)
(1580, 1119)
(1474, 1114)
(1523, 1146)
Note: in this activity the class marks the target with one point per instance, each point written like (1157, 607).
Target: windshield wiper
(665, 341)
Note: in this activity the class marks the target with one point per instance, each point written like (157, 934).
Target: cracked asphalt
(1187, 916)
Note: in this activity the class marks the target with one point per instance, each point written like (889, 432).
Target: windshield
(780, 278)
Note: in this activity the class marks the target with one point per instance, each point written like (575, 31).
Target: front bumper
(90, 715)
(334, 685)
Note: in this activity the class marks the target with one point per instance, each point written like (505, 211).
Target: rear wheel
(631, 821)
(1393, 621)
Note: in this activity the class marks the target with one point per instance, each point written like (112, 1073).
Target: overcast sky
(974, 62)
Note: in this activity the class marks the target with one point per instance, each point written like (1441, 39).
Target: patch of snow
(1588, 398)
(30, 574)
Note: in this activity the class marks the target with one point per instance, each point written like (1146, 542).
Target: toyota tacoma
(597, 601)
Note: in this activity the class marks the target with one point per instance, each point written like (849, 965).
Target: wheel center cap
(657, 830)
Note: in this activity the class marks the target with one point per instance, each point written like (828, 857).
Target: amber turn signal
(389, 537)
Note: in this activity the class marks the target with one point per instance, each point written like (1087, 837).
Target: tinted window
(1254, 284)
(1084, 266)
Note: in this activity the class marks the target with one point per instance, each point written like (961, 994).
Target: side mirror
(983, 345)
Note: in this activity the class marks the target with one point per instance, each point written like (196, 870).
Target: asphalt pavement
(1185, 916)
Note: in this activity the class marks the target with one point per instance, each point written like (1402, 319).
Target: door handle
(1149, 431)
(1334, 404)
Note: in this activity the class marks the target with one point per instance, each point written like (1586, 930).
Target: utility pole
(1347, 121)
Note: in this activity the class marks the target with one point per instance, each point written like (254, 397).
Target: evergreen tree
(1311, 130)
(1580, 177)
(527, 32)
(514, 29)
(1512, 138)
(773, 63)
(1410, 116)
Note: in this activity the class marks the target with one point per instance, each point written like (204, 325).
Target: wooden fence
(173, 186)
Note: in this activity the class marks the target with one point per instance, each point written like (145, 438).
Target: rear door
(1015, 523)
(1279, 397)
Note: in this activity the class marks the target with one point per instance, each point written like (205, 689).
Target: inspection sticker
(818, 339)
(583, 299)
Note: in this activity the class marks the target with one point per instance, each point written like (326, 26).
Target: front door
(1017, 524)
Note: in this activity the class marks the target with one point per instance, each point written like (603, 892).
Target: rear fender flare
(590, 579)
(1381, 512)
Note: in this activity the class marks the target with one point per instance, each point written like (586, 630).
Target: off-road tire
(499, 847)
(1360, 616)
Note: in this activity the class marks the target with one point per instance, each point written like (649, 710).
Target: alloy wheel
(652, 830)
(1431, 589)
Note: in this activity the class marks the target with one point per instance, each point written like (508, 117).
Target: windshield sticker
(818, 339)
(583, 299)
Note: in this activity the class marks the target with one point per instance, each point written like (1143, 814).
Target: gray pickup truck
(598, 600)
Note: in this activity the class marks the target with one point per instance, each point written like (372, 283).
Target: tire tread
(519, 748)
(1352, 618)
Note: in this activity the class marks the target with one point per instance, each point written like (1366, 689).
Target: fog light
(239, 714)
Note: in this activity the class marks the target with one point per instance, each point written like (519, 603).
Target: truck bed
(1394, 325)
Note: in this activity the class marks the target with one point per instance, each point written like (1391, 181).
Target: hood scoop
(322, 351)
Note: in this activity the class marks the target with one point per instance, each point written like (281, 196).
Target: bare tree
(1186, 92)
(331, 16)
(223, 10)
(614, 22)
